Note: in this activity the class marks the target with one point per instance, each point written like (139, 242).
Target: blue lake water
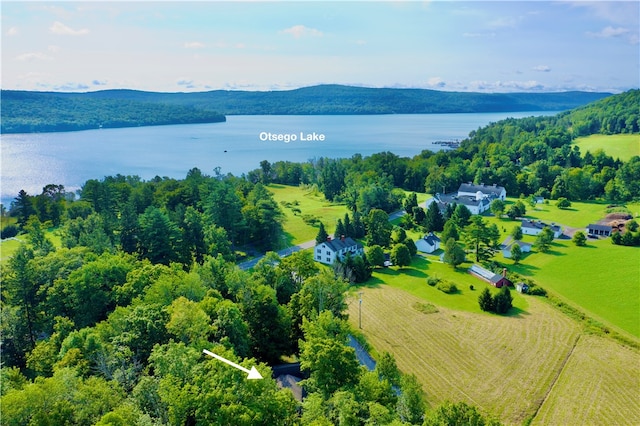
(31, 161)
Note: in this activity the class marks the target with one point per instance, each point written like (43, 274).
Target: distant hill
(53, 111)
(29, 112)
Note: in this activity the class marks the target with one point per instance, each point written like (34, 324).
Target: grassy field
(602, 278)
(507, 366)
(604, 377)
(617, 146)
(413, 279)
(309, 203)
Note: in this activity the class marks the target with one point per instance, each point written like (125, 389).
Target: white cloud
(609, 32)
(12, 31)
(542, 68)
(194, 45)
(53, 48)
(479, 35)
(298, 31)
(31, 56)
(71, 87)
(61, 29)
(436, 82)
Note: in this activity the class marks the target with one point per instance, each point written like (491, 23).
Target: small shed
(522, 287)
(428, 244)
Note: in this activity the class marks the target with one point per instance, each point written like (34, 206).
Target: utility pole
(360, 312)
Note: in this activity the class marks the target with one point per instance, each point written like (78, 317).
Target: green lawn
(309, 203)
(602, 278)
(413, 279)
(618, 146)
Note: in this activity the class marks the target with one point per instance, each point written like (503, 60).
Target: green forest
(108, 325)
(24, 112)
(29, 112)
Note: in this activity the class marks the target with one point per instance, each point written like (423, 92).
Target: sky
(484, 46)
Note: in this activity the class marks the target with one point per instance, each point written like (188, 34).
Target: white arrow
(253, 374)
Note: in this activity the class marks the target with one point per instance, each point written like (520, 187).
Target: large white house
(488, 191)
(328, 251)
(477, 198)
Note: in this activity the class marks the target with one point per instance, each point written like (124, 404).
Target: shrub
(432, 281)
(447, 287)
(9, 231)
(535, 290)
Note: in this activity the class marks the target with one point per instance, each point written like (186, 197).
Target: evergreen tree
(322, 234)
(348, 227)
(23, 206)
(485, 300)
(418, 214)
(450, 231)
(410, 202)
(340, 231)
(461, 215)
(358, 225)
(433, 222)
(502, 301)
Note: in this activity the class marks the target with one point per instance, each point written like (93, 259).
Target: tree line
(527, 156)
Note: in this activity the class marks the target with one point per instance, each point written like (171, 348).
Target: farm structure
(329, 251)
(599, 230)
(495, 280)
(477, 198)
(428, 244)
(535, 227)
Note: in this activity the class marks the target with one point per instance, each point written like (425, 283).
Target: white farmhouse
(428, 244)
(328, 251)
(488, 191)
(477, 198)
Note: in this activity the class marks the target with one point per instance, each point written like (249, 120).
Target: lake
(31, 161)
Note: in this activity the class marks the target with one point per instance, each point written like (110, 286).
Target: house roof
(522, 244)
(338, 244)
(598, 227)
(431, 239)
(467, 200)
(539, 225)
(485, 189)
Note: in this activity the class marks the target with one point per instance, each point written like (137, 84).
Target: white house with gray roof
(328, 251)
(477, 198)
(535, 227)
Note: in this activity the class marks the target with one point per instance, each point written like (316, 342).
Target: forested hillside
(28, 112)
(108, 327)
(48, 111)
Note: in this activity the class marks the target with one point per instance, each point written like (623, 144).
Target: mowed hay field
(506, 366)
(617, 146)
(604, 378)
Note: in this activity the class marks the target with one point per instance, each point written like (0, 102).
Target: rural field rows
(504, 365)
(604, 377)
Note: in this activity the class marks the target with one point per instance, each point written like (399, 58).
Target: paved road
(306, 245)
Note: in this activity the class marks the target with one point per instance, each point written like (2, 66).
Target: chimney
(341, 237)
(328, 237)
(504, 272)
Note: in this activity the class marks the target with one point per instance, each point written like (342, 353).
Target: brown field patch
(600, 385)
(504, 365)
